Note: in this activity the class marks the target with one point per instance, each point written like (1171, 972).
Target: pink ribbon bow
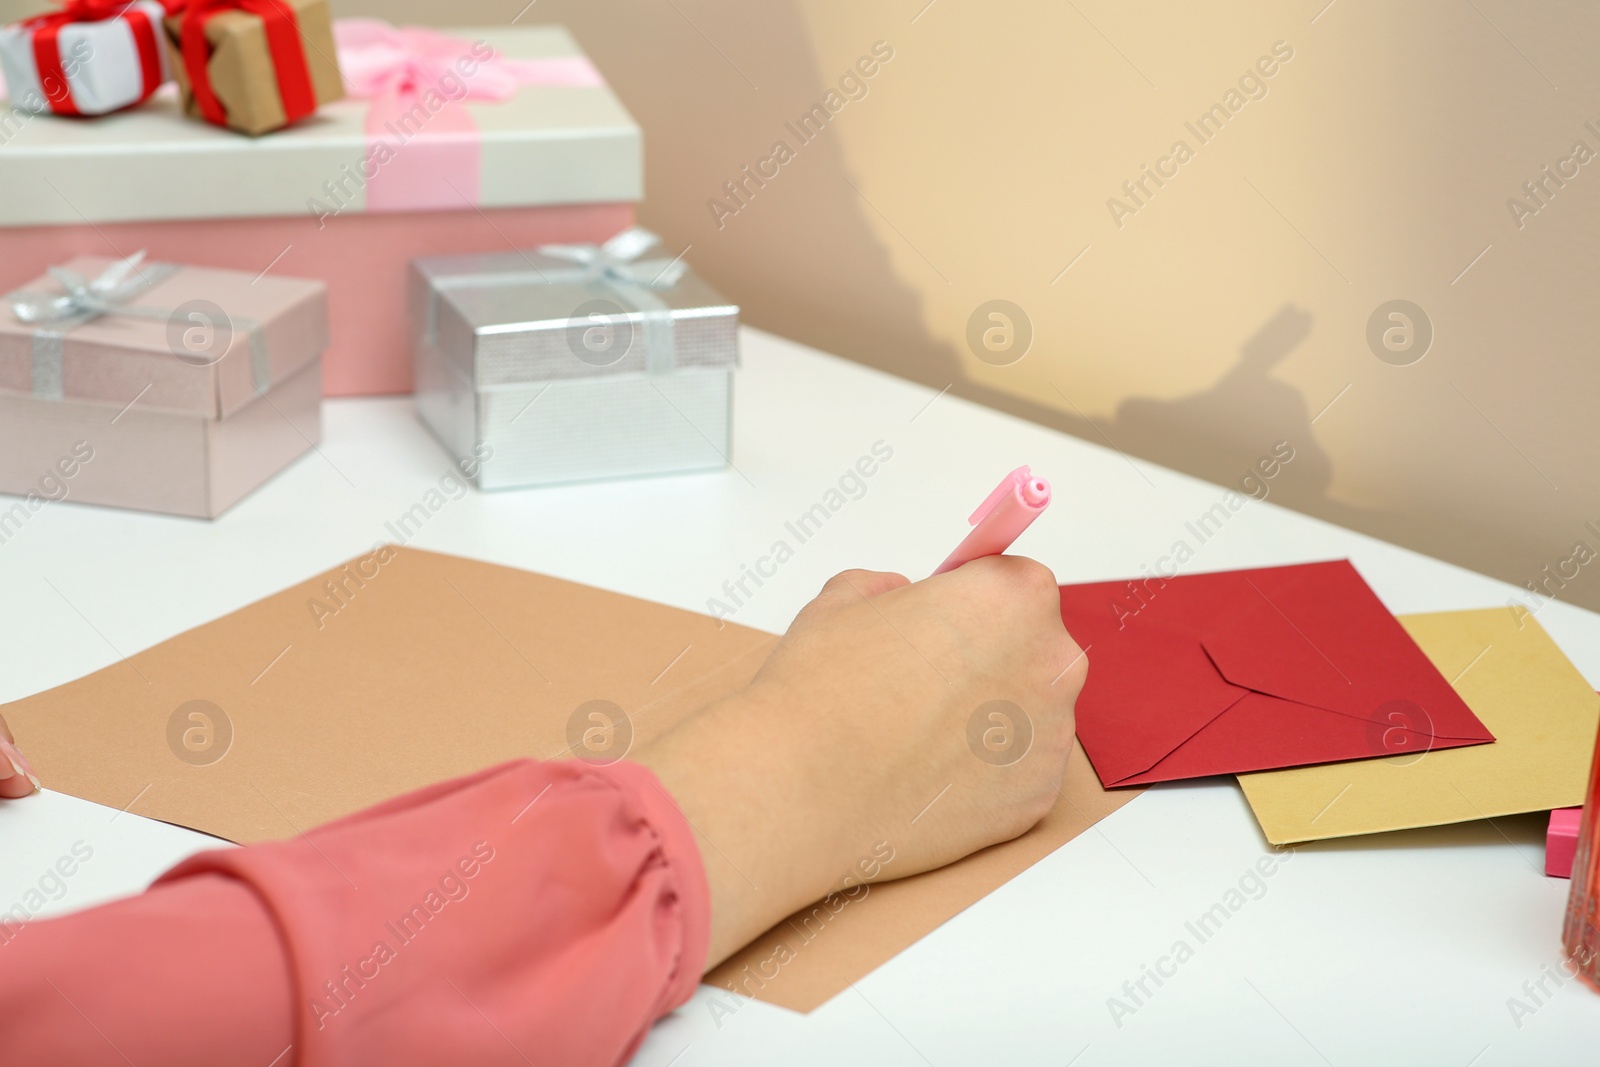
(424, 148)
(379, 59)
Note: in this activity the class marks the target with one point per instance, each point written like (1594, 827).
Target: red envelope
(1252, 670)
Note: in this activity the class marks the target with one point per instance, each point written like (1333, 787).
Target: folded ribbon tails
(284, 43)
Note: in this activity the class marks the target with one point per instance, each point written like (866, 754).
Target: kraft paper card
(1541, 711)
(405, 667)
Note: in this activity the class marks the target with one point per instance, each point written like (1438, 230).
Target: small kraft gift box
(573, 362)
(254, 65)
(163, 387)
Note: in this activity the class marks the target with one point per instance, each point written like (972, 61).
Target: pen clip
(1012, 480)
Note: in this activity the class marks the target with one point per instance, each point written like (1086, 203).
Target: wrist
(763, 838)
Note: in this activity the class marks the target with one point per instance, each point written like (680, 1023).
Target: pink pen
(1000, 519)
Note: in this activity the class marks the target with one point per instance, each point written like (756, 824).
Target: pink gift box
(534, 150)
(187, 390)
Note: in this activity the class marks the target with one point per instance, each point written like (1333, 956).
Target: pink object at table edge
(1561, 841)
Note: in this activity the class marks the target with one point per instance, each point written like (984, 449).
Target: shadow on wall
(809, 257)
(832, 284)
(1257, 409)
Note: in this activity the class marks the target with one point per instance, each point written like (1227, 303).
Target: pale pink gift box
(155, 386)
(492, 139)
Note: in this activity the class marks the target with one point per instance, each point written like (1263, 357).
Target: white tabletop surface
(1404, 948)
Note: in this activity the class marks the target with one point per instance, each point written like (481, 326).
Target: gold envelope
(405, 667)
(1541, 711)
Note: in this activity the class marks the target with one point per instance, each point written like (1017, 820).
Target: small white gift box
(87, 58)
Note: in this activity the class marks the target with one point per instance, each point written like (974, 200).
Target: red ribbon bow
(79, 11)
(47, 50)
(295, 88)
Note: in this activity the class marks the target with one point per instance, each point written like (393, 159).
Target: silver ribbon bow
(617, 265)
(614, 265)
(85, 299)
(82, 299)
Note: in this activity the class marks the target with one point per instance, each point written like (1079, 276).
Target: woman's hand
(16, 776)
(920, 720)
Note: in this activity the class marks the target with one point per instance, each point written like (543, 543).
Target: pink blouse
(541, 913)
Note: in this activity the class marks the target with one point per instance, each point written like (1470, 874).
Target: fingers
(839, 592)
(860, 585)
(5, 731)
(1023, 580)
(15, 787)
(1026, 590)
(16, 776)
(1013, 594)
(1070, 678)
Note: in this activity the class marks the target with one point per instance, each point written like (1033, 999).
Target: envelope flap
(1260, 647)
(1318, 635)
(1130, 716)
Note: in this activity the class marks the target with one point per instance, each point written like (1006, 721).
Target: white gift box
(107, 65)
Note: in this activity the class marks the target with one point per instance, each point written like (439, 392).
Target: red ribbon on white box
(88, 57)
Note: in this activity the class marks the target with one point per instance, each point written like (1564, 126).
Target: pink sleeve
(534, 912)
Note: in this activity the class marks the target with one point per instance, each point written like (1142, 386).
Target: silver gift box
(573, 363)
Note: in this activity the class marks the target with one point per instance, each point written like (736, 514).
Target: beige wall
(1231, 308)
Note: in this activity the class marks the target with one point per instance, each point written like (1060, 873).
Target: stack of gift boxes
(219, 211)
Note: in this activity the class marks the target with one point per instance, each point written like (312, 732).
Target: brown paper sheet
(405, 667)
(816, 953)
(365, 682)
(242, 72)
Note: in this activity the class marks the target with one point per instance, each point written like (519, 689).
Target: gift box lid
(508, 318)
(544, 145)
(170, 338)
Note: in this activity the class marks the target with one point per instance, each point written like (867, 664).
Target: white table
(1397, 949)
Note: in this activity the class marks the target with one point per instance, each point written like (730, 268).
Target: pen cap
(1035, 492)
